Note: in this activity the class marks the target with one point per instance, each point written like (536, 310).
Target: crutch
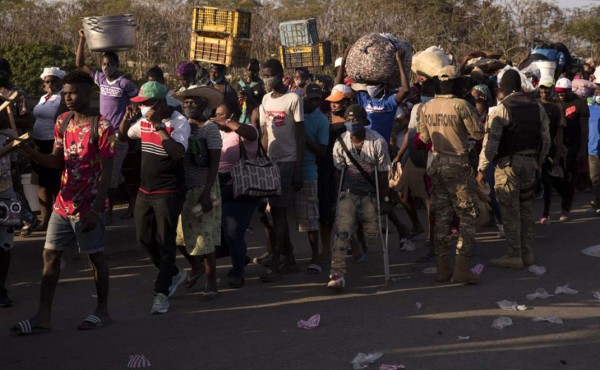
(384, 241)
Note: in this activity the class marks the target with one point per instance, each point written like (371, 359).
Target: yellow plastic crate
(229, 51)
(318, 55)
(234, 23)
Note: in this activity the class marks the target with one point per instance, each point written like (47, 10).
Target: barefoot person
(84, 147)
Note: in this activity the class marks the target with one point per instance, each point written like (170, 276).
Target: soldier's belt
(452, 159)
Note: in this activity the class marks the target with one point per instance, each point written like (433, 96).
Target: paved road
(255, 327)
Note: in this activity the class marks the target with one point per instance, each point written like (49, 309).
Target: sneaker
(160, 305)
(336, 282)
(264, 259)
(176, 280)
(501, 231)
(407, 245)
(545, 221)
(5, 300)
(564, 216)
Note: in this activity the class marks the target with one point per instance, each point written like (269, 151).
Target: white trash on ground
(510, 305)
(565, 290)
(419, 305)
(461, 338)
(540, 293)
(430, 270)
(552, 319)
(311, 323)
(408, 246)
(538, 270)
(478, 269)
(597, 295)
(502, 322)
(593, 251)
(362, 360)
(391, 367)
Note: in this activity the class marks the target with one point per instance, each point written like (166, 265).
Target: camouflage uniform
(447, 121)
(515, 182)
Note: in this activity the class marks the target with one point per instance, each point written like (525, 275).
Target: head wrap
(510, 82)
(483, 90)
(186, 69)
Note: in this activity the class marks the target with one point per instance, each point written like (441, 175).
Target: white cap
(563, 83)
(338, 62)
(547, 81)
(53, 71)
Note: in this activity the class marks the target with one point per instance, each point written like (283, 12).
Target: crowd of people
(336, 144)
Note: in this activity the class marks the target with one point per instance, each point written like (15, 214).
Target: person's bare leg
(45, 199)
(210, 265)
(101, 278)
(50, 276)
(194, 261)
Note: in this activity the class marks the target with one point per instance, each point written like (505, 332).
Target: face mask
(144, 110)
(270, 83)
(597, 99)
(192, 112)
(375, 91)
(217, 81)
(425, 99)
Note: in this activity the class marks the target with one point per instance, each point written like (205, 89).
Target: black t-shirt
(554, 110)
(576, 111)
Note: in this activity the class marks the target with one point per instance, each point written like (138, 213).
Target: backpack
(94, 128)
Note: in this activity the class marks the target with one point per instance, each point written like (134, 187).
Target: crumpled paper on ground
(565, 290)
(552, 319)
(363, 360)
(538, 270)
(478, 269)
(460, 338)
(430, 270)
(391, 367)
(419, 305)
(311, 323)
(593, 251)
(510, 305)
(540, 293)
(502, 322)
(597, 295)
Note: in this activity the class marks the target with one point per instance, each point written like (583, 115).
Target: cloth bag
(255, 178)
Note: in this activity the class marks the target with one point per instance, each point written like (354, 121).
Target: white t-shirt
(44, 113)
(279, 116)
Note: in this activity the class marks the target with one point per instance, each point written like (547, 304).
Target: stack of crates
(300, 46)
(221, 36)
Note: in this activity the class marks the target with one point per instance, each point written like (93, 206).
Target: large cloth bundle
(428, 62)
(372, 59)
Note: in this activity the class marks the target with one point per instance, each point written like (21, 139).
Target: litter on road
(565, 290)
(552, 319)
(540, 293)
(538, 270)
(311, 323)
(363, 360)
(502, 322)
(511, 306)
(461, 338)
(593, 251)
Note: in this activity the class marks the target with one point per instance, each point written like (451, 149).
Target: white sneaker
(408, 245)
(160, 305)
(501, 231)
(176, 280)
(336, 282)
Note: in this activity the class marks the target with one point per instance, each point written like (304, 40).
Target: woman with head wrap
(186, 75)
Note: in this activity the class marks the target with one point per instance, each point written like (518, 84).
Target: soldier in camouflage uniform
(447, 121)
(518, 139)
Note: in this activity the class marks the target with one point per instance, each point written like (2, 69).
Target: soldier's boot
(507, 261)
(527, 259)
(444, 271)
(462, 272)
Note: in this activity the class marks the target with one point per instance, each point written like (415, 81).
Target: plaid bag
(255, 178)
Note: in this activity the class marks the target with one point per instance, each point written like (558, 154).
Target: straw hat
(213, 96)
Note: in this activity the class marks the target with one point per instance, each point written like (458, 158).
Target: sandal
(92, 322)
(314, 269)
(192, 280)
(26, 328)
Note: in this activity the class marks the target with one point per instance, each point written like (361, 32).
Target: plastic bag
(565, 290)
(593, 251)
(538, 270)
(311, 323)
(511, 306)
(526, 85)
(362, 360)
(478, 269)
(539, 293)
(552, 319)
(502, 322)
(429, 61)
(391, 367)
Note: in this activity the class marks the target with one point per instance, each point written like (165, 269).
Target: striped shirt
(160, 173)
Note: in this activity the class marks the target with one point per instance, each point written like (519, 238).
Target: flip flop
(192, 280)
(314, 269)
(92, 322)
(208, 296)
(25, 328)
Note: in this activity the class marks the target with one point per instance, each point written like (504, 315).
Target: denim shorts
(307, 207)
(64, 232)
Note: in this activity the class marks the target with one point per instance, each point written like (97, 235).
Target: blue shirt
(594, 135)
(316, 128)
(380, 112)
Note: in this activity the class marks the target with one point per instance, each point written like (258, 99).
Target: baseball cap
(358, 112)
(339, 92)
(448, 73)
(547, 81)
(151, 90)
(562, 85)
(313, 91)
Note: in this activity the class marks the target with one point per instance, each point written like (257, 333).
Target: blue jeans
(235, 220)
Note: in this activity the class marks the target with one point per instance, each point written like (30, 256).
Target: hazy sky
(577, 3)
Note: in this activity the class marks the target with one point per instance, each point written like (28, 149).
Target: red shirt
(81, 175)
